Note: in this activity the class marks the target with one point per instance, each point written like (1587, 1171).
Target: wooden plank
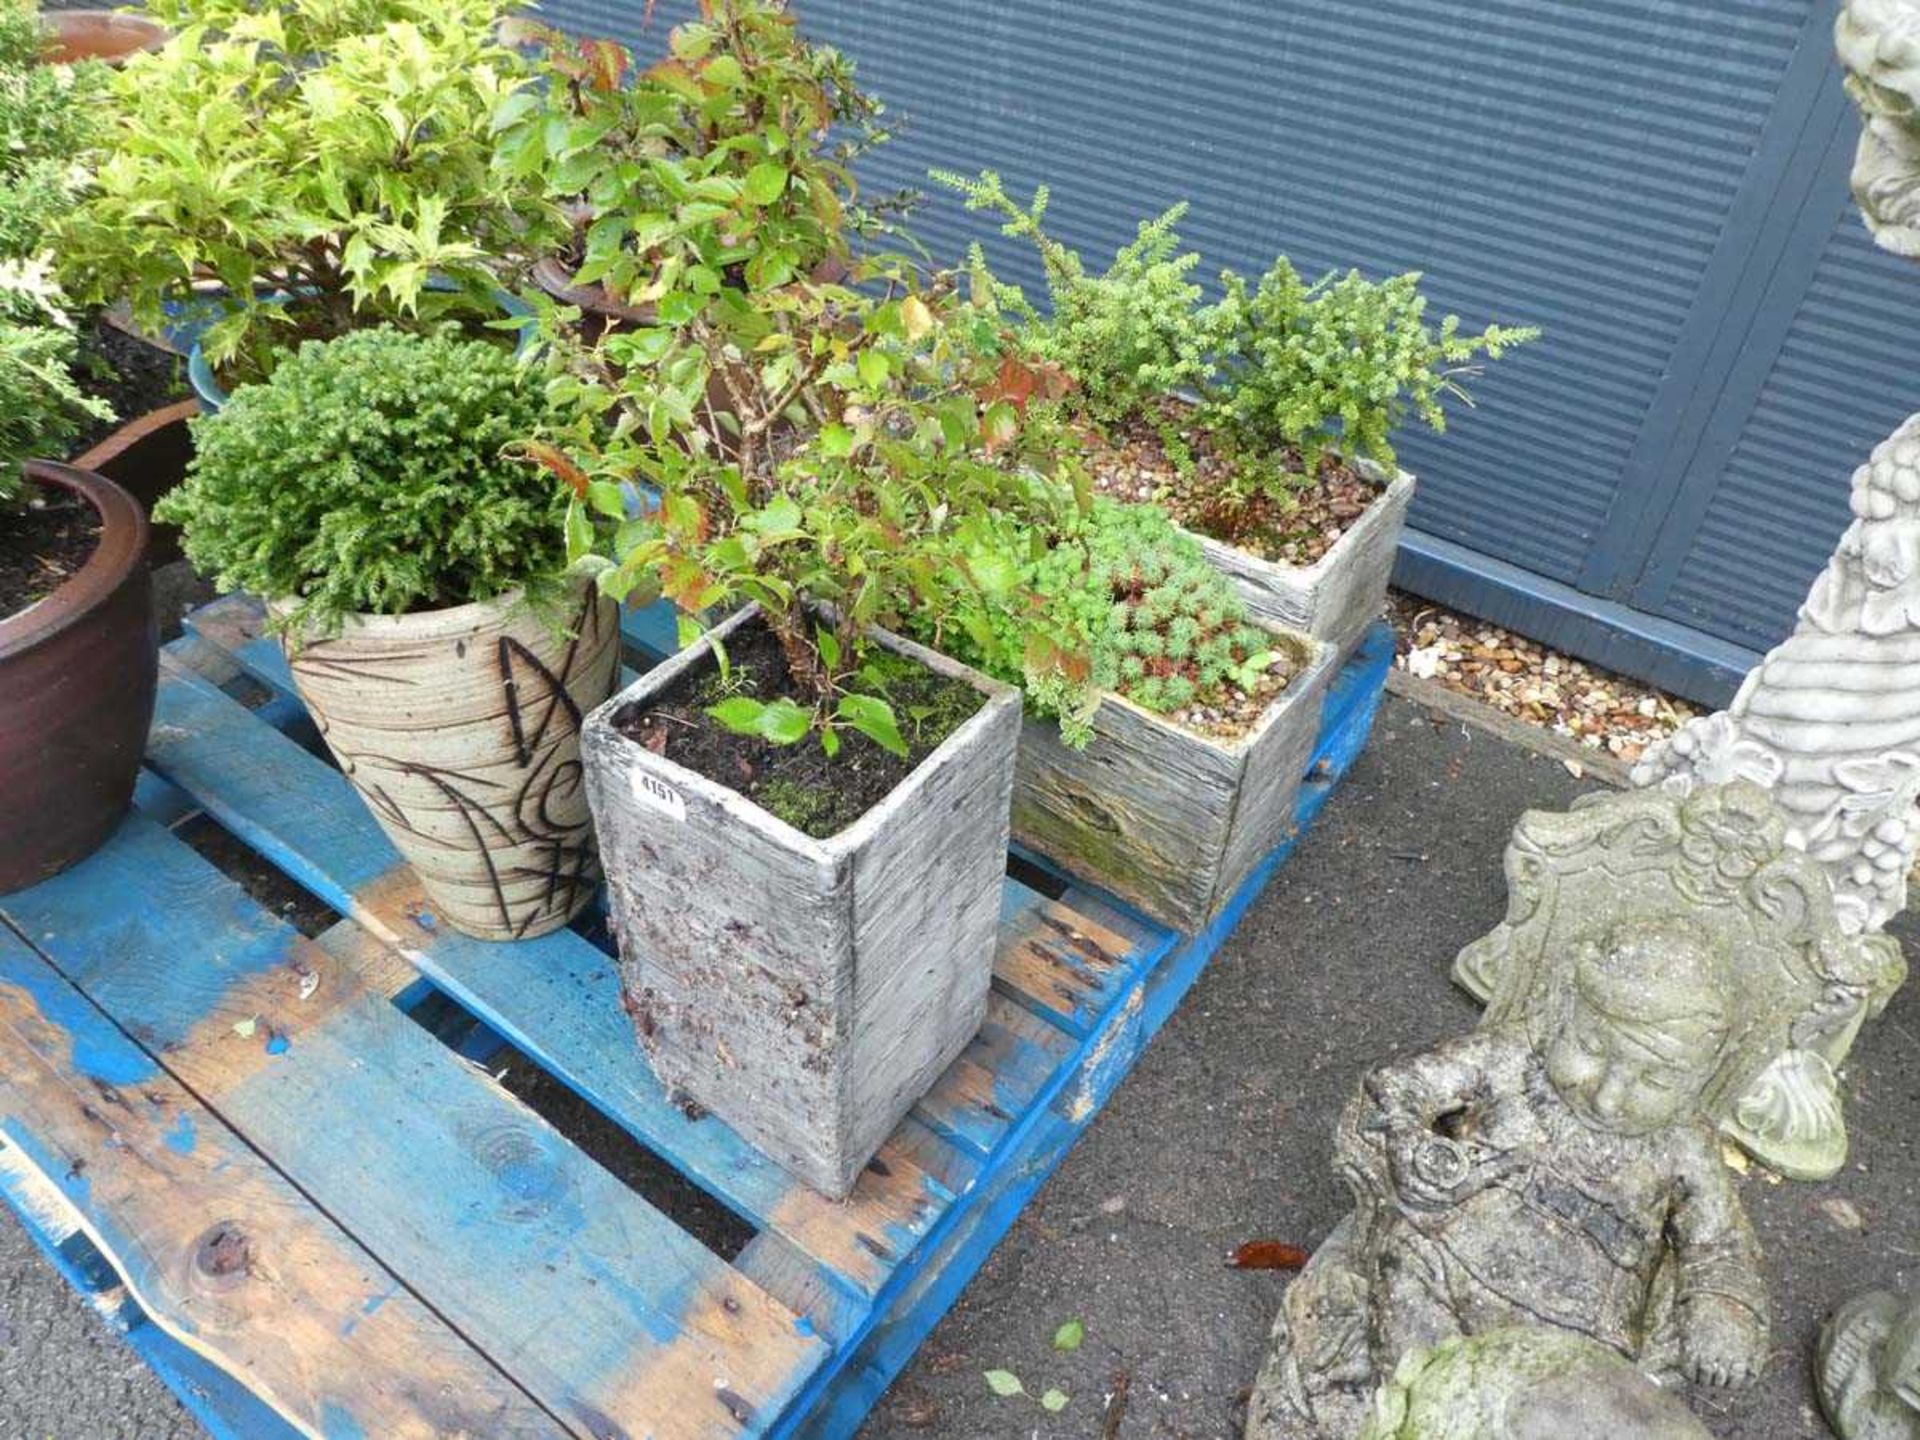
(557, 998)
(217, 1248)
(614, 1316)
(1060, 964)
(997, 1077)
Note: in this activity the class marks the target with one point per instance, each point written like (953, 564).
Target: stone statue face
(1626, 1077)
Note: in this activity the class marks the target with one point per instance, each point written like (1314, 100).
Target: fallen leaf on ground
(1069, 1335)
(1054, 1401)
(1004, 1383)
(1843, 1213)
(1267, 1255)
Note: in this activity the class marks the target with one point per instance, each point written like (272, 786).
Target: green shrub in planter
(379, 473)
(45, 122)
(727, 160)
(47, 117)
(1135, 596)
(1281, 368)
(329, 162)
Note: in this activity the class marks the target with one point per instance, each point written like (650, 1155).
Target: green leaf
(830, 741)
(766, 182)
(874, 368)
(836, 441)
(1004, 1383)
(1070, 1335)
(782, 721)
(873, 719)
(1054, 1401)
(829, 644)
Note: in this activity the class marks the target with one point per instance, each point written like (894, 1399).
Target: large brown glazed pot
(104, 35)
(77, 673)
(147, 457)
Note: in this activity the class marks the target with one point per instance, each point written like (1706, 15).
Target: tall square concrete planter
(1168, 819)
(1339, 595)
(805, 991)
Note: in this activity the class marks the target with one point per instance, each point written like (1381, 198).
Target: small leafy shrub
(1344, 361)
(325, 160)
(378, 473)
(727, 163)
(1128, 336)
(883, 452)
(1279, 372)
(46, 122)
(1157, 623)
(41, 408)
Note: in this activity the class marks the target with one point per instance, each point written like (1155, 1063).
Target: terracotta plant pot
(806, 991)
(1337, 597)
(104, 35)
(147, 457)
(77, 673)
(461, 730)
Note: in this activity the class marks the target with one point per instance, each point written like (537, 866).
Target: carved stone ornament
(1526, 1383)
(1879, 46)
(1867, 1368)
(1719, 854)
(1559, 1166)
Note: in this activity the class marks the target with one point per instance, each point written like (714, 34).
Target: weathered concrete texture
(1337, 597)
(1223, 1134)
(1169, 820)
(806, 991)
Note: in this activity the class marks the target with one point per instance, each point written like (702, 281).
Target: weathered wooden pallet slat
(828, 1301)
(556, 997)
(215, 1246)
(615, 1312)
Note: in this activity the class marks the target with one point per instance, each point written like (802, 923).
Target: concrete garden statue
(1867, 1369)
(1723, 854)
(1560, 1166)
(1830, 720)
(1525, 1383)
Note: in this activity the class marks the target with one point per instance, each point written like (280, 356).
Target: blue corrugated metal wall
(1659, 183)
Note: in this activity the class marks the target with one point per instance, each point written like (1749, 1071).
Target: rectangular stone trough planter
(1161, 816)
(1339, 595)
(805, 991)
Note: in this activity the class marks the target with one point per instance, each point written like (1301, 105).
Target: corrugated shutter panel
(1781, 501)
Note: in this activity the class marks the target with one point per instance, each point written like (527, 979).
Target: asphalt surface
(1220, 1136)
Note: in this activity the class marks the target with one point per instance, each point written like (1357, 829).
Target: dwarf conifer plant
(381, 473)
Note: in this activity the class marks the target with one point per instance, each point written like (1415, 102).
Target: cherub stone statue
(1867, 1368)
(1829, 721)
(1879, 45)
(1557, 1167)
(1724, 854)
(1560, 1167)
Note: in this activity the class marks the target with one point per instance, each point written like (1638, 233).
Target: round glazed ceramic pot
(77, 673)
(104, 35)
(461, 730)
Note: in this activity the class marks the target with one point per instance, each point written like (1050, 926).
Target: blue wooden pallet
(312, 1215)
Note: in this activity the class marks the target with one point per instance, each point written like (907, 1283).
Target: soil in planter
(797, 783)
(1131, 463)
(132, 376)
(43, 544)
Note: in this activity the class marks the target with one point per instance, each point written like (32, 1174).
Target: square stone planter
(1339, 595)
(1163, 817)
(805, 991)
